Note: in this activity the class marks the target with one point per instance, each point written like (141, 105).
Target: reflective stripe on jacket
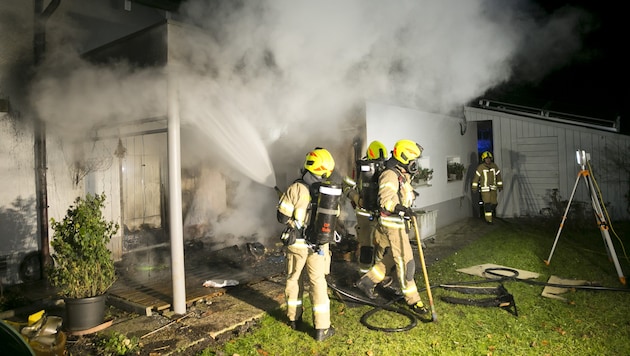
(394, 188)
(487, 178)
(295, 202)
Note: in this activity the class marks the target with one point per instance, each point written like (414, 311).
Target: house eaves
(552, 116)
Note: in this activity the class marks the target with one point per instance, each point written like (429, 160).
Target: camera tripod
(585, 174)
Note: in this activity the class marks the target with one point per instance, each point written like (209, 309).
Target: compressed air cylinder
(368, 183)
(327, 212)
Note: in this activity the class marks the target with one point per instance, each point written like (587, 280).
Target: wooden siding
(522, 143)
(537, 171)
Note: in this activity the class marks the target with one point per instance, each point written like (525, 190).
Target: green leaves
(83, 264)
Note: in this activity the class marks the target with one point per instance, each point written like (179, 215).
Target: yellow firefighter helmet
(485, 155)
(319, 162)
(406, 151)
(376, 150)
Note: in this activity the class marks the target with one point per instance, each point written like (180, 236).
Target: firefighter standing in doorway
(488, 181)
(362, 190)
(304, 253)
(396, 196)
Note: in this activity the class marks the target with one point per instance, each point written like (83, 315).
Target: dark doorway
(484, 143)
(484, 137)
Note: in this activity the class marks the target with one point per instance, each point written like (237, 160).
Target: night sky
(593, 83)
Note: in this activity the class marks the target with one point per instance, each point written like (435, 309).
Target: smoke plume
(263, 82)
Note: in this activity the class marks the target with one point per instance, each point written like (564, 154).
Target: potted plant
(83, 269)
(423, 176)
(455, 170)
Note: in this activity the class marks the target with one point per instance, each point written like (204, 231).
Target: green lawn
(591, 322)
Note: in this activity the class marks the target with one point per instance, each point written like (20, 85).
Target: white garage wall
(441, 137)
(526, 187)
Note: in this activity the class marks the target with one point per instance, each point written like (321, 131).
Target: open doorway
(484, 138)
(484, 143)
(143, 175)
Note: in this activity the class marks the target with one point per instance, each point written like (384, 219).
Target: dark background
(593, 82)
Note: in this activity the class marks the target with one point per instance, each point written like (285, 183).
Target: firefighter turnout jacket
(304, 258)
(394, 188)
(487, 178)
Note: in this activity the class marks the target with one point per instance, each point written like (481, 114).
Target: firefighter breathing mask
(413, 167)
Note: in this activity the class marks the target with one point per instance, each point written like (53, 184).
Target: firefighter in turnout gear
(362, 190)
(396, 196)
(488, 181)
(304, 253)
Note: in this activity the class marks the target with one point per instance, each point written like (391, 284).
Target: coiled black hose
(413, 321)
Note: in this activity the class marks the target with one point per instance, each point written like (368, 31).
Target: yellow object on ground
(35, 317)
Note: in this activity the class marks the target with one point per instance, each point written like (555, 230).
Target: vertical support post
(41, 15)
(175, 197)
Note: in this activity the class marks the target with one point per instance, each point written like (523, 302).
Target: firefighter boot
(323, 334)
(419, 308)
(367, 287)
(391, 285)
(296, 324)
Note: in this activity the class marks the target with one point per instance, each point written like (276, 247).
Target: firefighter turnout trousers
(399, 254)
(366, 224)
(302, 259)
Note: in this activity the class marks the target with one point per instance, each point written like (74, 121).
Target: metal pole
(175, 199)
(564, 217)
(41, 15)
(603, 227)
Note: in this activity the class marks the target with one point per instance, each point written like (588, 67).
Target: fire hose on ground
(501, 297)
(413, 322)
(413, 319)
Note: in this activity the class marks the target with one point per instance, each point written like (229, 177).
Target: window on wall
(425, 173)
(454, 168)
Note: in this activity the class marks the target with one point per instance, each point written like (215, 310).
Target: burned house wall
(18, 213)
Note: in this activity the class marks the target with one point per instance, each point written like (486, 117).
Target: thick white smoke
(284, 76)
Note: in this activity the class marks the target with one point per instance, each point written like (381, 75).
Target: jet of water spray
(230, 134)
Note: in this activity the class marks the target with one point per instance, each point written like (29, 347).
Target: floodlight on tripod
(583, 159)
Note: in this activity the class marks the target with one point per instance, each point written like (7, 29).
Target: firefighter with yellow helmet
(362, 190)
(395, 197)
(488, 181)
(310, 223)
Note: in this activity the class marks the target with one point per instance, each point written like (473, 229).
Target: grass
(590, 322)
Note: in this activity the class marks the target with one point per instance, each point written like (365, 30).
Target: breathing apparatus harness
(369, 172)
(323, 210)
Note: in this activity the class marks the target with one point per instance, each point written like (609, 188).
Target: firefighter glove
(404, 211)
(289, 235)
